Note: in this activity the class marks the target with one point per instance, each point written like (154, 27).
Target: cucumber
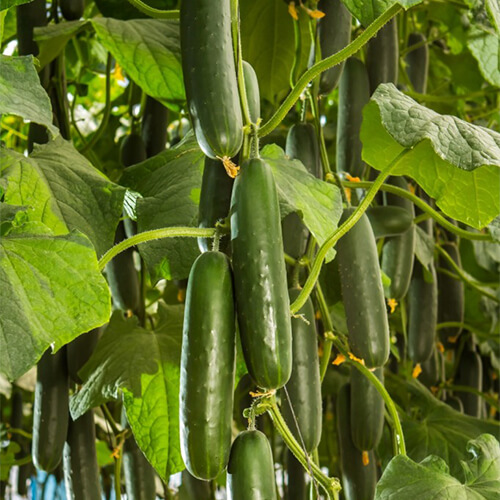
(363, 294)
(194, 489)
(210, 76)
(260, 276)
(250, 473)
(432, 369)
(154, 127)
(29, 16)
(382, 56)
(367, 411)
(354, 93)
(455, 403)
(72, 9)
(398, 251)
(304, 386)
(417, 63)
(388, 220)
(334, 33)
(207, 367)
(215, 200)
(79, 352)
(243, 400)
(296, 486)
(81, 472)
(470, 373)
(252, 91)
(302, 145)
(132, 150)
(358, 480)
(50, 410)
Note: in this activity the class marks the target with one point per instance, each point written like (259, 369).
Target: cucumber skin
(260, 276)
(79, 352)
(367, 411)
(210, 76)
(250, 473)
(296, 487)
(387, 220)
(302, 145)
(72, 9)
(304, 386)
(470, 373)
(154, 127)
(132, 150)
(252, 91)
(81, 471)
(207, 367)
(50, 410)
(334, 31)
(29, 16)
(363, 293)
(358, 481)
(354, 93)
(194, 489)
(398, 251)
(418, 63)
(432, 369)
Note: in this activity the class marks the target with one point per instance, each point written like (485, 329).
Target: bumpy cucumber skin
(207, 367)
(215, 200)
(354, 93)
(210, 76)
(50, 410)
(154, 127)
(358, 481)
(334, 31)
(81, 471)
(382, 57)
(250, 473)
(302, 145)
(72, 9)
(79, 352)
(367, 411)
(363, 293)
(252, 91)
(470, 373)
(304, 386)
(417, 62)
(389, 220)
(398, 251)
(260, 276)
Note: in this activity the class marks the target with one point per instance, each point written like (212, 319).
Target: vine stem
(465, 326)
(491, 400)
(155, 234)
(325, 64)
(156, 13)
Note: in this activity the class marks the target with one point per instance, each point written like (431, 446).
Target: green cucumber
(207, 367)
(252, 91)
(302, 145)
(250, 473)
(194, 489)
(334, 33)
(215, 200)
(358, 480)
(382, 56)
(154, 127)
(132, 150)
(72, 9)
(243, 400)
(303, 390)
(260, 276)
(398, 251)
(210, 76)
(296, 485)
(387, 220)
(354, 93)
(470, 374)
(367, 411)
(50, 410)
(417, 62)
(81, 471)
(29, 15)
(432, 369)
(79, 352)
(363, 294)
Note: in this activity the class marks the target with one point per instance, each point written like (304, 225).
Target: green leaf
(455, 162)
(52, 291)
(64, 191)
(144, 366)
(430, 479)
(318, 203)
(493, 10)
(366, 11)
(170, 184)
(22, 94)
(7, 4)
(149, 51)
(485, 47)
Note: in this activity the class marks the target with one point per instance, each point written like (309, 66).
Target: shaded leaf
(485, 47)
(7, 4)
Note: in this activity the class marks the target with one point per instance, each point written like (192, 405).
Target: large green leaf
(21, 91)
(430, 479)
(366, 11)
(485, 47)
(149, 51)
(144, 366)
(64, 191)
(7, 4)
(455, 162)
(52, 291)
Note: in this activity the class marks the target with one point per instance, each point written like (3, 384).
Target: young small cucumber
(210, 76)
(250, 473)
(252, 91)
(470, 373)
(363, 294)
(207, 367)
(417, 62)
(72, 9)
(260, 276)
(154, 127)
(387, 220)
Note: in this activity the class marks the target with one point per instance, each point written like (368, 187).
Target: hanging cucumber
(29, 15)
(81, 472)
(250, 473)
(50, 410)
(132, 150)
(297, 488)
(334, 33)
(388, 220)
(354, 93)
(207, 367)
(210, 76)
(470, 374)
(260, 276)
(358, 480)
(194, 489)
(417, 62)
(252, 91)
(432, 369)
(72, 9)
(367, 411)
(304, 386)
(154, 127)
(362, 291)
(398, 251)
(79, 352)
